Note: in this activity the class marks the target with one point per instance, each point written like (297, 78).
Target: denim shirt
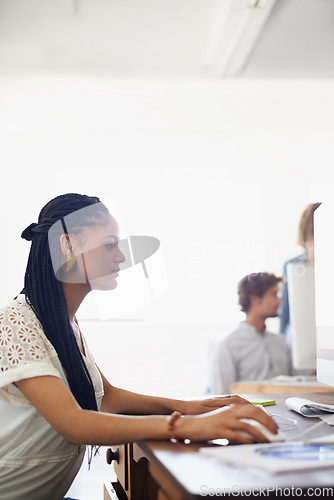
(284, 312)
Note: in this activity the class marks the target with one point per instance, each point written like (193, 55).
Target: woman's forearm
(121, 401)
(105, 429)
(117, 400)
(54, 401)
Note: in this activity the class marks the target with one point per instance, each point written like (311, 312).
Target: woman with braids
(53, 399)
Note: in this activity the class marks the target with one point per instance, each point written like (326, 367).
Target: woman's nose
(120, 257)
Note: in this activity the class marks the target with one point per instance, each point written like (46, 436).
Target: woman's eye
(111, 245)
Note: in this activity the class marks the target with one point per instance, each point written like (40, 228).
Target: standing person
(53, 398)
(251, 352)
(306, 240)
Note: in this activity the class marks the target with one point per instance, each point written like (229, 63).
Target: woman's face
(97, 253)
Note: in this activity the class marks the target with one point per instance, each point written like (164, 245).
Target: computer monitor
(324, 291)
(302, 332)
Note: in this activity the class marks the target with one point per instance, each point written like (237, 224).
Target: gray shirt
(247, 354)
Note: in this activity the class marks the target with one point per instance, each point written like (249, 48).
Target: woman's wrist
(181, 406)
(171, 421)
(186, 427)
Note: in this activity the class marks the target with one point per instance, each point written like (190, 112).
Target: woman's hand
(198, 406)
(225, 423)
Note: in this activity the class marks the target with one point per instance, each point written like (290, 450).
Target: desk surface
(273, 386)
(191, 473)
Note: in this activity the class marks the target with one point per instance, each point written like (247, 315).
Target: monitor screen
(323, 238)
(302, 314)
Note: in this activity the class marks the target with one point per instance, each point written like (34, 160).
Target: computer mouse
(264, 430)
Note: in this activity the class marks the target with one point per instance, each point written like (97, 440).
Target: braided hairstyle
(45, 295)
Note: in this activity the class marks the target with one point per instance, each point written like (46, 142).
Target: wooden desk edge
(270, 388)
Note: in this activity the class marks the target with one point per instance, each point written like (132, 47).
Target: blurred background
(208, 124)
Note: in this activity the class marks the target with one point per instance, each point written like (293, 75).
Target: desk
(159, 470)
(271, 387)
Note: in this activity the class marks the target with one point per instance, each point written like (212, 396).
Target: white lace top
(35, 461)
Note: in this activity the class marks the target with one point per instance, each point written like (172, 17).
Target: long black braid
(45, 295)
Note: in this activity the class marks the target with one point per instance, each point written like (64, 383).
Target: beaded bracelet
(171, 421)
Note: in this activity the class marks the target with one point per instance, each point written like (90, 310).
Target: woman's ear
(67, 250)
(65, 244)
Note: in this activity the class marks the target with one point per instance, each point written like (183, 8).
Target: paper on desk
(329, 419)
(275, 457)
(309, 408)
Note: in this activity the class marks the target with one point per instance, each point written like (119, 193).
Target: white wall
(218, 171)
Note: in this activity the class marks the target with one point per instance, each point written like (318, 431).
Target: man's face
(269, 303)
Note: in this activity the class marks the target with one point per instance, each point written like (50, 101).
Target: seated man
(250, 352)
